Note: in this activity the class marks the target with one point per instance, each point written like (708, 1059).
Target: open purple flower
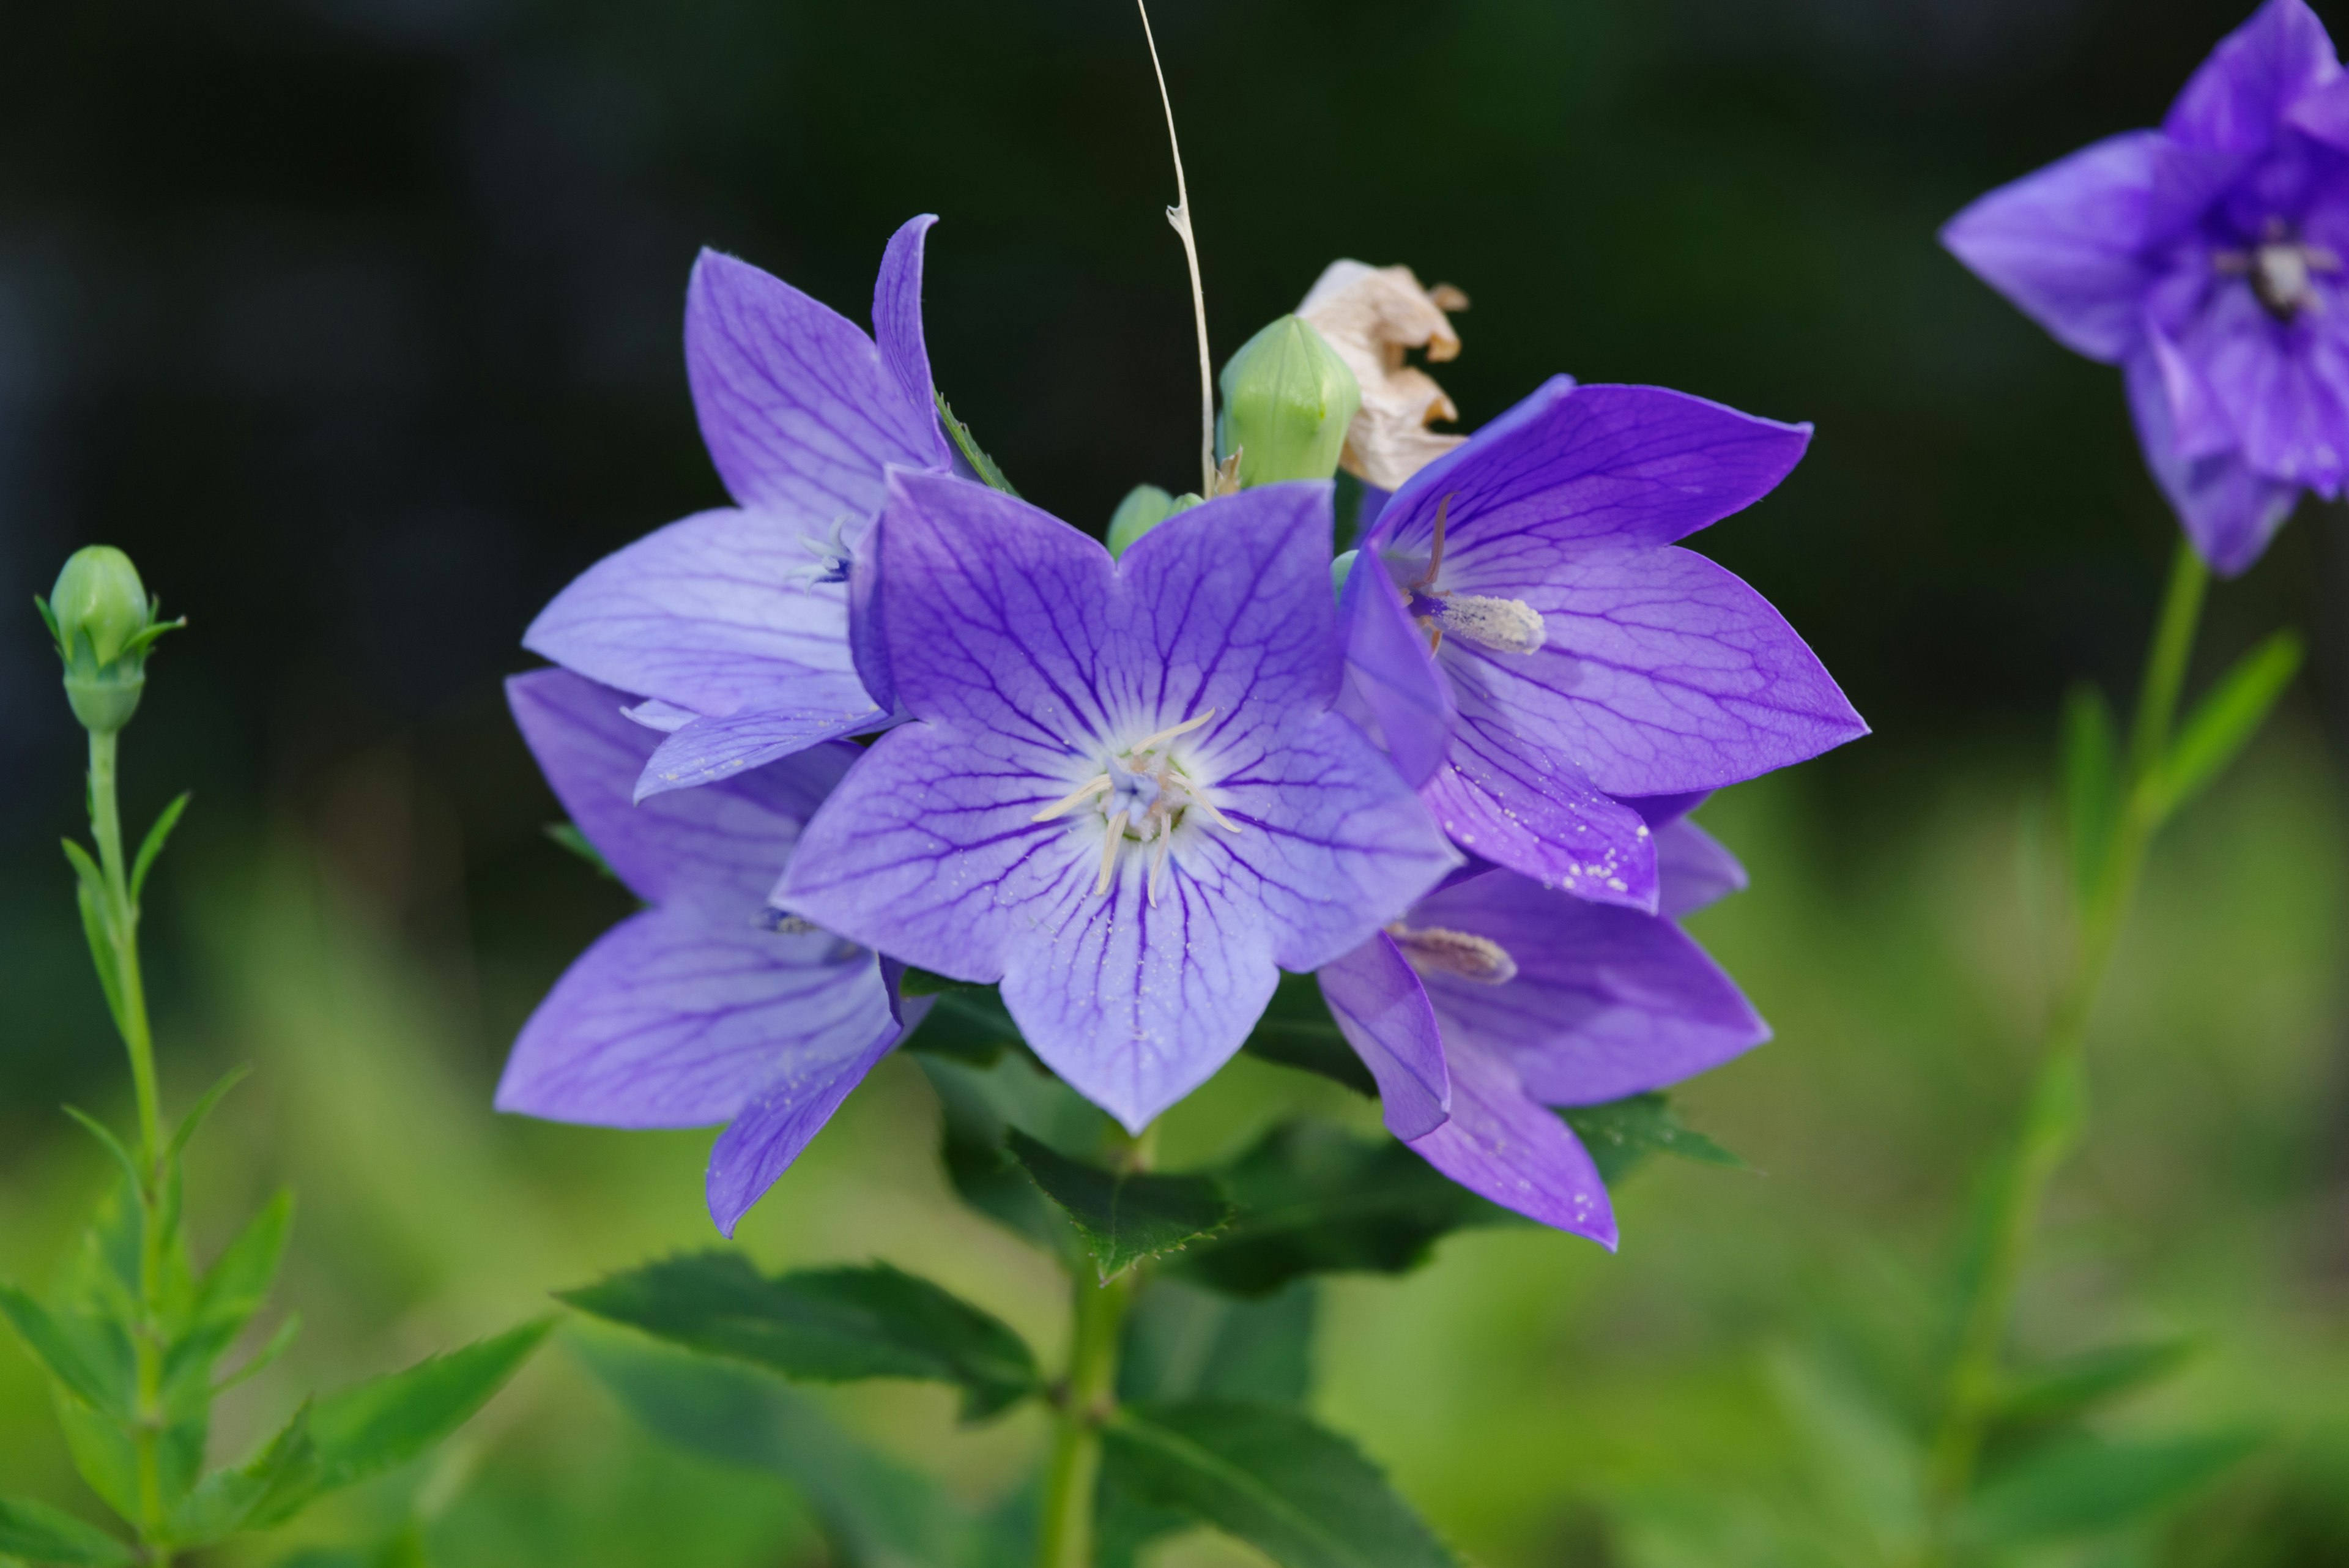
(734, 624)
(2205, 259)
(1496, 998)
(699, 1010)
(1536, 652)
(1124, 794)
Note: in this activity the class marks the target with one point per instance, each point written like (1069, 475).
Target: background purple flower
(737, 622)
(696, 1011)
(1264, 831)
(2206, 260)
(1578, 658)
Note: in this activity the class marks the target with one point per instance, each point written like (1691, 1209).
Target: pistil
(1435, 950)
(1504, 626)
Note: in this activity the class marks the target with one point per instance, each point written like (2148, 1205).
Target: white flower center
(2281, 270)
(1141, 795)
(1433, 951)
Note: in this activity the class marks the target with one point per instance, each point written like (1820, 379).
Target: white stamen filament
(1147, 796)
(1461, 954)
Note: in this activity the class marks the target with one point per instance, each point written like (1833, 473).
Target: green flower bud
(1339, 570)
(1145, 506)
(1288, 399)
(104, 624)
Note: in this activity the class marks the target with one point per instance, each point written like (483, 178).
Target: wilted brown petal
(1372, 316)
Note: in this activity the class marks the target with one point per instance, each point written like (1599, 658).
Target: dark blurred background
(356, 322)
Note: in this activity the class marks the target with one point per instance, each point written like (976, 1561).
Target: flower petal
(1692, 869)
(1572, 467)
(897, 327)
(2236, 99)
(708, 750)
(1506, 803)
(707, 614)
(1383, 1012)
(1501, 1143)
(675, 1019)
(799, 409)
(780, 1119)
(719, 848)
(2229, 512)
(2283, 389)
(1605, 1003)
(1403, 699)
(1662, 672)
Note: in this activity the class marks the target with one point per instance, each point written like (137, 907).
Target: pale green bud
(1145, 506)
(1288, 399)
(104, 623)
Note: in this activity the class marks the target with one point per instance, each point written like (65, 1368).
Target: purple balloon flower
(1536, 652)
(698, 1010)
(1125, 793)
(1496, 998)
(2206, 260)
(735, 624)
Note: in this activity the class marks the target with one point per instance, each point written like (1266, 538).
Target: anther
(1508, 626)
(1461, 954)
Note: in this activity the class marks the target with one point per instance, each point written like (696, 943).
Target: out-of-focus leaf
(1311, 1198)
(1868, 1465)
(152, 845)
(1621, 1134)
(1296, 1031)
(2092, 787)
(89, 1358)
(230, 1292)
(568, 836)
(2090, 1486)
(273, 1486)
(40, 1534)
(824, 1325)
(198, 1112)
(966, 1023)
(980, 463)
(1303, 1496)
(1124, 1216)
(2076, 1387)
(981, 1105)
(2223, 722)
(1185, 1342)
(874, 1513)
(386, 1421)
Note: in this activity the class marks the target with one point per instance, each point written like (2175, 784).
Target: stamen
(1073, 800)
(1218, 817)
(1461, 954)
(1508, 626)
(1109, 851)
(1160, 738)
(1165, 853)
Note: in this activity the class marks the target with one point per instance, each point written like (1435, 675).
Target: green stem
(1083, 1405)
(2056, 1109)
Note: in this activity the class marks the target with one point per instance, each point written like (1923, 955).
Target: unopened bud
(1288, 399)
(104, 624)
(1145, 506)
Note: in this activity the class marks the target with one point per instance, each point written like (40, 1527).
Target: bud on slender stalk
(104, 623)
(1288, 399)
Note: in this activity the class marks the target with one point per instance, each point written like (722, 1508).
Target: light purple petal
(719, 848)
(1658, 810)
(798, 409)
(2324, 114)
(676, 1019)
(868, 644)
(780, 1120)
(2282, 389)
(708, 750)
(1383, 1012)
(1571, 468)
(707, 613)
(897, 325)
(1606, 1001)
(1692, 869)
(1662, 672)
(2229, 512)
(2238, 96)
(1506, 803)
(1501, 1143)
(1392, 676)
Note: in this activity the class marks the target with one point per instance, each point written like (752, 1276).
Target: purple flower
(1125, 793)
(2206, 260)
(1496, 998)
(704, 1008)
(735, 624)
(1578, 659)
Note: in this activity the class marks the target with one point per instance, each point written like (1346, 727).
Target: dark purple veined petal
(2277, 392)
(708, 750)
(2239, 97)
(780, 1119)
(2229, 512)
(674, 1018)
(719, 848)
(1383, 1012)
(1659, 810)
(1507, 802)
(1390, 673)
(1692, 869)
(1604, 1003)
(1662, 672)
(708, 612)
(897, 325)
(1576, 467)
(799, 409)
(1500, 1143)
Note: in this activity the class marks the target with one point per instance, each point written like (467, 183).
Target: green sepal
(2225, 722)
(1124, 1216)
(826, 1325)
(40, 1534)
(152, 845)
(50, 619)
(959, 433)
(2090, 1486)
(1622, 1134)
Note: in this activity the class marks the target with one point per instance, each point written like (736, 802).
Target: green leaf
(387, 1421)
(1621, 1134)
(921, 983)
(874, 1512)
(1185, 1342)
(201, 1112)
(2223, 722)
(89, 1358)
(1313, 1199)
(2074, 1387)
(1870, 1467)
(2092, 788)
(982, 1103)
(268, 1488)
(40, 1534)
(232, 1291)
(157, 836)
(959, 433)
(1124, 1216)
(571, 838)
(1301, 1495)
(108, 1141)
(91, 899)
(823, 1324)
(966, 1023)
(1296, 1031)
(2089, 1486)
